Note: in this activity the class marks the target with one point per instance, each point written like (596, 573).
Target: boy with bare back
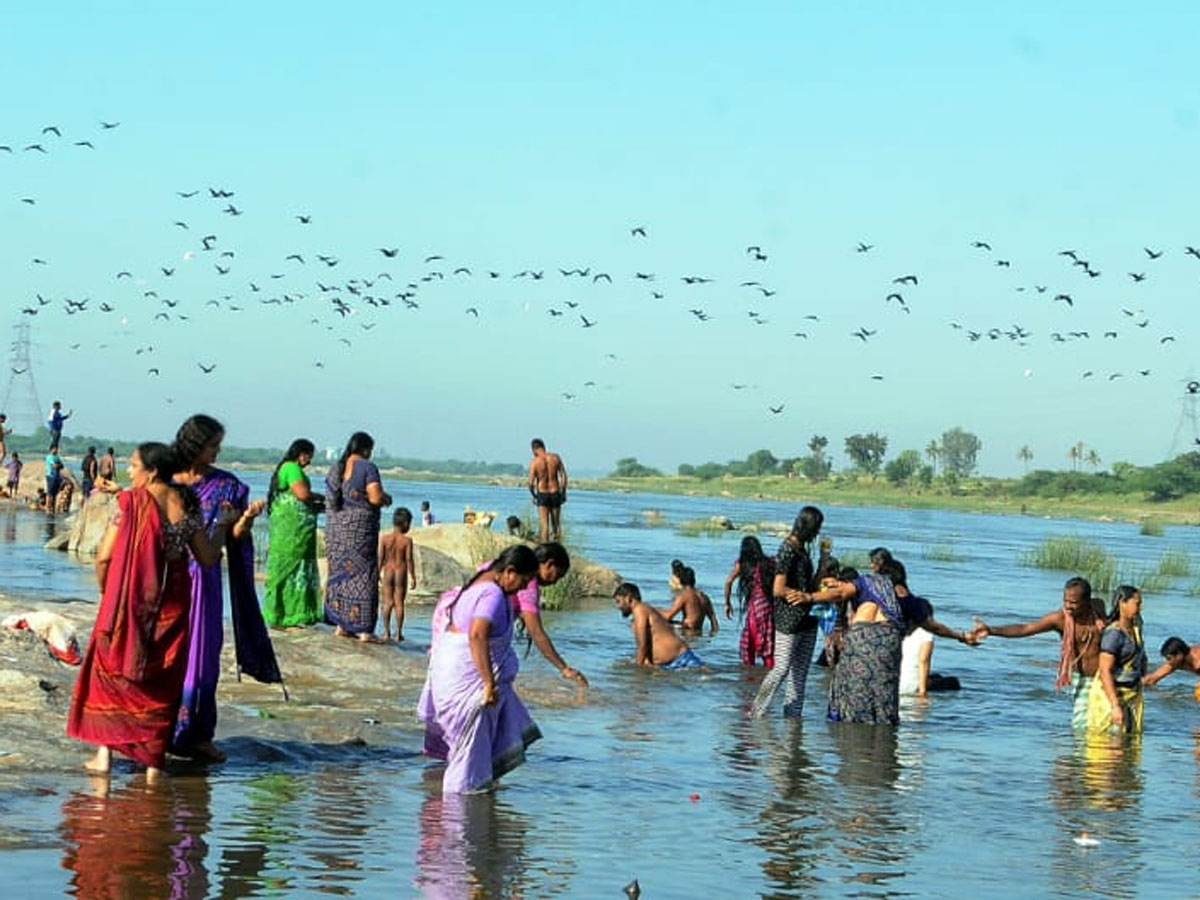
(657, 643)
(398, 571)
(548, 485)
(695, 605)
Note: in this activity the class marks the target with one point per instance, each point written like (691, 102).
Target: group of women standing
(787, 601)
(149, 676)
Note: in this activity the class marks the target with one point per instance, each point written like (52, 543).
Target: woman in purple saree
(197, 444)
(473, 717)
(353, 498)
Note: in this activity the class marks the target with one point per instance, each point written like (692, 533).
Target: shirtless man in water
(657, 643)
(1179, 657)
(695, 605)
(1080, 621)
(548, 485)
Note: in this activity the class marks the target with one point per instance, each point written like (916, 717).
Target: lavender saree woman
(198, 444)
(473, 717)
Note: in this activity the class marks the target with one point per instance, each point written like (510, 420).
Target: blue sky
(536, 138)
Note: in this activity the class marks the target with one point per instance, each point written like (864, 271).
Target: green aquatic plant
(1152, 528)
(1068, 553)
(1175, 563)
(703, 527)
(939, 552)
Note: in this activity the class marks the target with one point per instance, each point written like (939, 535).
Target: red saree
(129, 686)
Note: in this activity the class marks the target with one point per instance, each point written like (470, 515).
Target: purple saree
(479, 743)
(197, 720)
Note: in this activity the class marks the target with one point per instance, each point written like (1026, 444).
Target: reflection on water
(472, 846)
(644, 762)
(1097, 789)
(137, 840)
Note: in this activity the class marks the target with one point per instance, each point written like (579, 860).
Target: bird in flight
(1137, 276)
(109, 126)
(1065, 298)
(186, 194)
(586, 322)
(637, 231)
(304, 220)
(1153, 254)
(863, 248)
(981, 245)
(905, 279)
(776, 410)
(391, 252)
(207, 370)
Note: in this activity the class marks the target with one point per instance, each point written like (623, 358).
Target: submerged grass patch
(701, 528)
(1152, 528)
(1068, 553)
(939, 552)
(1175, 563)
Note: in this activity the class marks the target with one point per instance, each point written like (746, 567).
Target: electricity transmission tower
(21, 403)
(1188, 428)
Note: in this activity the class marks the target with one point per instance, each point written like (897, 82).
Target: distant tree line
(957, 451)
(948, 461)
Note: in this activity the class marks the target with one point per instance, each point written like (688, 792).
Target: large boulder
(87, 525)
(437, 571)
(466, 546)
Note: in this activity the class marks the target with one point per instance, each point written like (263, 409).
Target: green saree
(292, 593)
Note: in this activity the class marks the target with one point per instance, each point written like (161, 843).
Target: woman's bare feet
(367, 638)
(101, 763)
(341, 632)
(209, 751)
(153, 774)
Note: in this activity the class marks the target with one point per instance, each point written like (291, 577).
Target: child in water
(398, 570)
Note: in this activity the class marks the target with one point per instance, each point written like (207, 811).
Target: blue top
(1130, 654)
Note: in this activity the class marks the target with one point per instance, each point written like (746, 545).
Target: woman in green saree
(292, 593)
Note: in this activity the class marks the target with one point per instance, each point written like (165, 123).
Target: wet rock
(437, 571)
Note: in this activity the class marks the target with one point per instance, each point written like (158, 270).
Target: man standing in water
(1080, 621)
(548, 485)
(657, 643)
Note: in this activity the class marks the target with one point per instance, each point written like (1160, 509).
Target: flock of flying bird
(168, 291)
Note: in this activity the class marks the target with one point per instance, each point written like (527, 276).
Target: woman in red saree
(127, 695)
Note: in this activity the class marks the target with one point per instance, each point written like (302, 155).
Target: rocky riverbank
(445, 554)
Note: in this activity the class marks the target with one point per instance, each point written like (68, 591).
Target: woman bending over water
(473, 717)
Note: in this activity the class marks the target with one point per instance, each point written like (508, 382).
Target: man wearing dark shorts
(548, 485)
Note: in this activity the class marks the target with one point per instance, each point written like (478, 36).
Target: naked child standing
(398, 571)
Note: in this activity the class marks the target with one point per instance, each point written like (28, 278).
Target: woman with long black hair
(354, 495)
(795, 626)
(292, 594)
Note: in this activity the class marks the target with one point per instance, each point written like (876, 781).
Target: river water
(662, 776)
